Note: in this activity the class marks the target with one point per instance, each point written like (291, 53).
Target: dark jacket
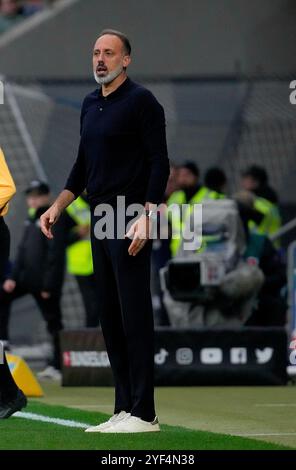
(268, 193)
(261, 248)
(40, 262)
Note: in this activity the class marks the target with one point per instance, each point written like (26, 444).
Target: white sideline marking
(91, 406)
(267, 434)
(76, 424)
(47, 419)
(275, 404)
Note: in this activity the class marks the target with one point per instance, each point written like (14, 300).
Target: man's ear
(126, 60)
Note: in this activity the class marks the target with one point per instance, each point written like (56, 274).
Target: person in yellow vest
(255, 180)
(191, 192)
(216, 181)
(12, 398)
(79, 258)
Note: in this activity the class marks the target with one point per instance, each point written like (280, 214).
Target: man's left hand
(139, 232)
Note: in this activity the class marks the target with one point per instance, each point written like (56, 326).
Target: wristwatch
(150, 214)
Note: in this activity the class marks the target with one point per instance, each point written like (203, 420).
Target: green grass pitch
(19, 433)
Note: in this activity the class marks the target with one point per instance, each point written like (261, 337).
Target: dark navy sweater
(122, 148)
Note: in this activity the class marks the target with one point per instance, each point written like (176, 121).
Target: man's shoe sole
(112, 429)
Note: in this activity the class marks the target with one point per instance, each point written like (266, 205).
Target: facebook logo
(238, 355)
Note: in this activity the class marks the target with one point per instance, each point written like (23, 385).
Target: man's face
(249, 183)
(34, 201)
(109, 58)
(186, 179)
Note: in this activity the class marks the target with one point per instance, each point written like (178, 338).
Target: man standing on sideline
(12, 398)
(122, 152)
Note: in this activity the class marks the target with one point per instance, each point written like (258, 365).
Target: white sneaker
(134, 424)
(51, 373)
(117, 418)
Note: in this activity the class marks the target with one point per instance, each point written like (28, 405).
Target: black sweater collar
(119, 91)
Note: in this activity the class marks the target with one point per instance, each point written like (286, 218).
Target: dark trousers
(88, 290)
(8, 388)
(126, 317)
(51, 312)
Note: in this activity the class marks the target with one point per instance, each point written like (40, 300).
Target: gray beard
(109, 77)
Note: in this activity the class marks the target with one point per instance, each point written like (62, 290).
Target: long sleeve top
(7, 186)
(122, 149)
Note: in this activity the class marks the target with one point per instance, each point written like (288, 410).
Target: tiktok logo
(160, 357)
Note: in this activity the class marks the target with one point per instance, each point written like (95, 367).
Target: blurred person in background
(255, 180)
(12, 398)
(188, 191)
(216, 181)
(271, 307)
(79, 257)
(191, 192)
(38, 270)
(11, 13)
(161, 251)
(172, 184)
(187, 181)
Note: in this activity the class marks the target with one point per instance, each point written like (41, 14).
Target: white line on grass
(47, 419)
(76, 424)
(275, 404)
(266, 434)
(91, 406)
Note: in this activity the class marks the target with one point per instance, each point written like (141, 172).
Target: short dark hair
(123, 37)
(37, 188)
(258, 173)
(215, 179)
(191, 166)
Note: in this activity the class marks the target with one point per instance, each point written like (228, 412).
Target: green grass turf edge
(22, 434)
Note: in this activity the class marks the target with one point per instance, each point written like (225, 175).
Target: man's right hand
(48, 219)
(9, 285)
(51, 216)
